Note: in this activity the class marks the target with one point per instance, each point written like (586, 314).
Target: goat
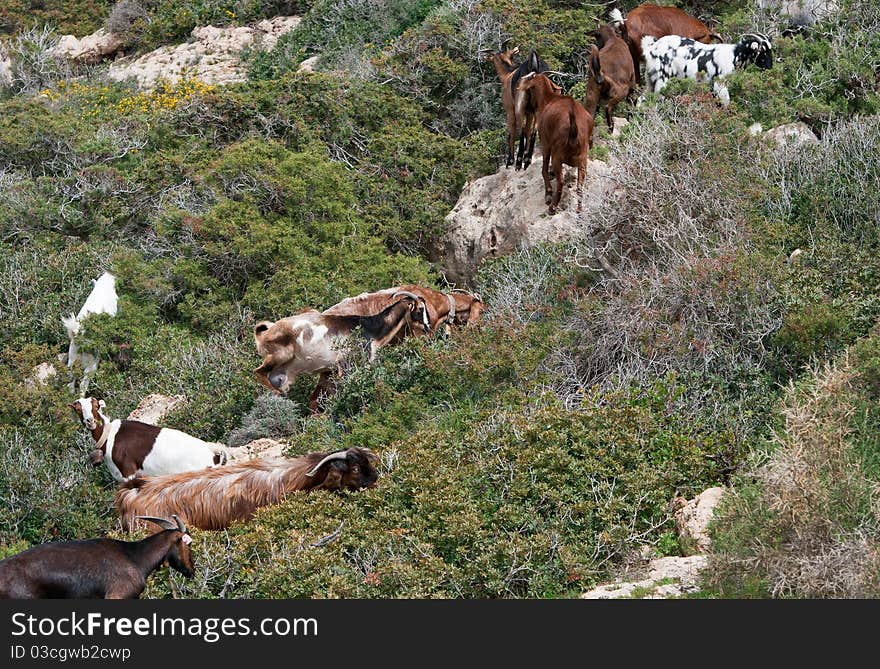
(613, 75)
(311, 342)
(504, 67)
(130, 448)
(525, 109)
(679, 57)
(566, 129)
(655, 21)
(215, 498)
(96, 568)
(432, 309)
(102, 300)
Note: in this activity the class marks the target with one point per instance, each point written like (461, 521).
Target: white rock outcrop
(692, 517)
(213, 55)
(41, 375)
(790, 135)
(5, 67)
(801, 12)
(308, 65)
(153, 408)
(259, 448)
(90, 49)
(499, 213)
(667, 577)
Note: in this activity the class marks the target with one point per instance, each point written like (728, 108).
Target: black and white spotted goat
(676, 57)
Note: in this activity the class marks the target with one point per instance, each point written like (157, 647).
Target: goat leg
(557, 195)
(531, 150)
(325, 385)
(545, 167)
(582, 175)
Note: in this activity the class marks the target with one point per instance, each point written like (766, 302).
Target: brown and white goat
(311, 342)
(613, 77)
(566, 129)
(130, 448)
(215, 498)
(96, 568)
(656, 21)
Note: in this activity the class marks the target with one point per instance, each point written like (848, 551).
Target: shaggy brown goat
(613, 77)
(95, 568)
(566, 129)
(656, 21)
(212, 499)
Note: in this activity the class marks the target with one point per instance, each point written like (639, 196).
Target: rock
(90, 49)
(682, 571)
(214, 55)
(5, 67)
(308, 65)
(40, 376)
(153, 408)
(259, 448)
(499, 213)
(619, 124)
(802, 13)
(692, 517)
(790, 135)
(756, 129)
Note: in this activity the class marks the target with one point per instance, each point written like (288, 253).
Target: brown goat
(565, 129)
(95, 568)
(657, 21)
(212, 499)
(504, 67)
(613, 77)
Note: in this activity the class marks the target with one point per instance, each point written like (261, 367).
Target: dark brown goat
(565, 128)
(212, 499)
(95, 568)
(504, 67)
(657, 21)
(613, 77)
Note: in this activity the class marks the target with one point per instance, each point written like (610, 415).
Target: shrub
(809, 527)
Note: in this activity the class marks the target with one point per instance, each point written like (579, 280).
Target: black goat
(95, 568)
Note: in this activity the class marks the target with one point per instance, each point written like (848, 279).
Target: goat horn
(164, 523)
(180, 525)
(406, 293)
(339, 455)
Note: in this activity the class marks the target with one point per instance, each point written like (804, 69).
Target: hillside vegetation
(530, 457)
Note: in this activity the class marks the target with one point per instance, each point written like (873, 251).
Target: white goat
(677, 57)
(102, 300)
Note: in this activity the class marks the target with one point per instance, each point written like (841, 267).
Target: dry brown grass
(821, 537)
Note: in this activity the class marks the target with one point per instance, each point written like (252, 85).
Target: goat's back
(79, 569)
(656, 21)
(555, 129)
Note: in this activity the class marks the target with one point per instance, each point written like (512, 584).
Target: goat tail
(595, 66)
(615, 18)
(71, 325)
(572, 128)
